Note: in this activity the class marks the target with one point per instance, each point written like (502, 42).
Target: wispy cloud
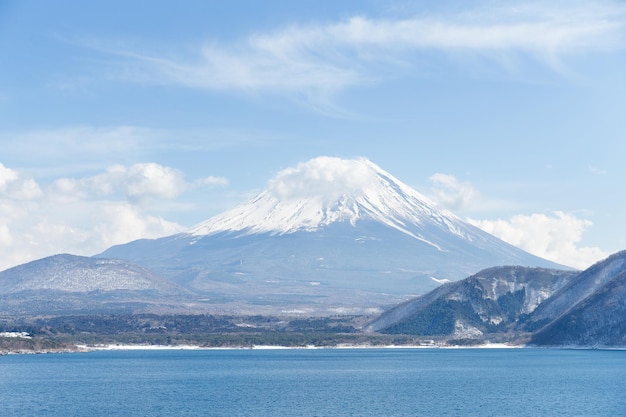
(76, 149)
(81, 149)
(77, 140)
(318, 60)
(211, 181)
(596, 170)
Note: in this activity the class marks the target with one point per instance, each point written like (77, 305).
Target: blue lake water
(327, 382)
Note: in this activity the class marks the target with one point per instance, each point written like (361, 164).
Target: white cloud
(123, 223)
(12, 185)
(7, 175)
(146, 181)
(140, 183)
(451, 193)
(81, 228)
(5, 236)
(86, 215)
(324, 176)
(319, 59)
(555, 237)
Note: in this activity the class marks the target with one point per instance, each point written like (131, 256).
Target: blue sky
(121, 120)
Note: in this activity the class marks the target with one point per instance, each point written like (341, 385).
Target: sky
(122, 120)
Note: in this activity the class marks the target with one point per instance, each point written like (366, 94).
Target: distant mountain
(70, 273)
(542, 306)
(491, 301)
(68, 283)
(329, 235)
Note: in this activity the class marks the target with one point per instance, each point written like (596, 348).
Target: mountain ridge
(526, 305)
(489, 301)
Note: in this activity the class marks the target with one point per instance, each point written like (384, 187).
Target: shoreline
(83, 348)
(131, 347)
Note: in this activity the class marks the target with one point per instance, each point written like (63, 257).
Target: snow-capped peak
(326, 190)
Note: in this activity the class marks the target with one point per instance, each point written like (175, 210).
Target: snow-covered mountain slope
(70, 273)
(330, 196)
(326, 232)
(68, 284)
(330, 190)
(587, 283)
(593, 319)
(490, 301)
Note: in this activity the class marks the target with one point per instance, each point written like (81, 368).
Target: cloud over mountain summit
(324, 176)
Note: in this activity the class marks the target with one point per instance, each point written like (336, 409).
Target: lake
(310, 382)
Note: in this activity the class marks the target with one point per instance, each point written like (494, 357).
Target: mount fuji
(327, 236)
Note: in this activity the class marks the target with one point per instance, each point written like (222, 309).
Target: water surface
(327, 382)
